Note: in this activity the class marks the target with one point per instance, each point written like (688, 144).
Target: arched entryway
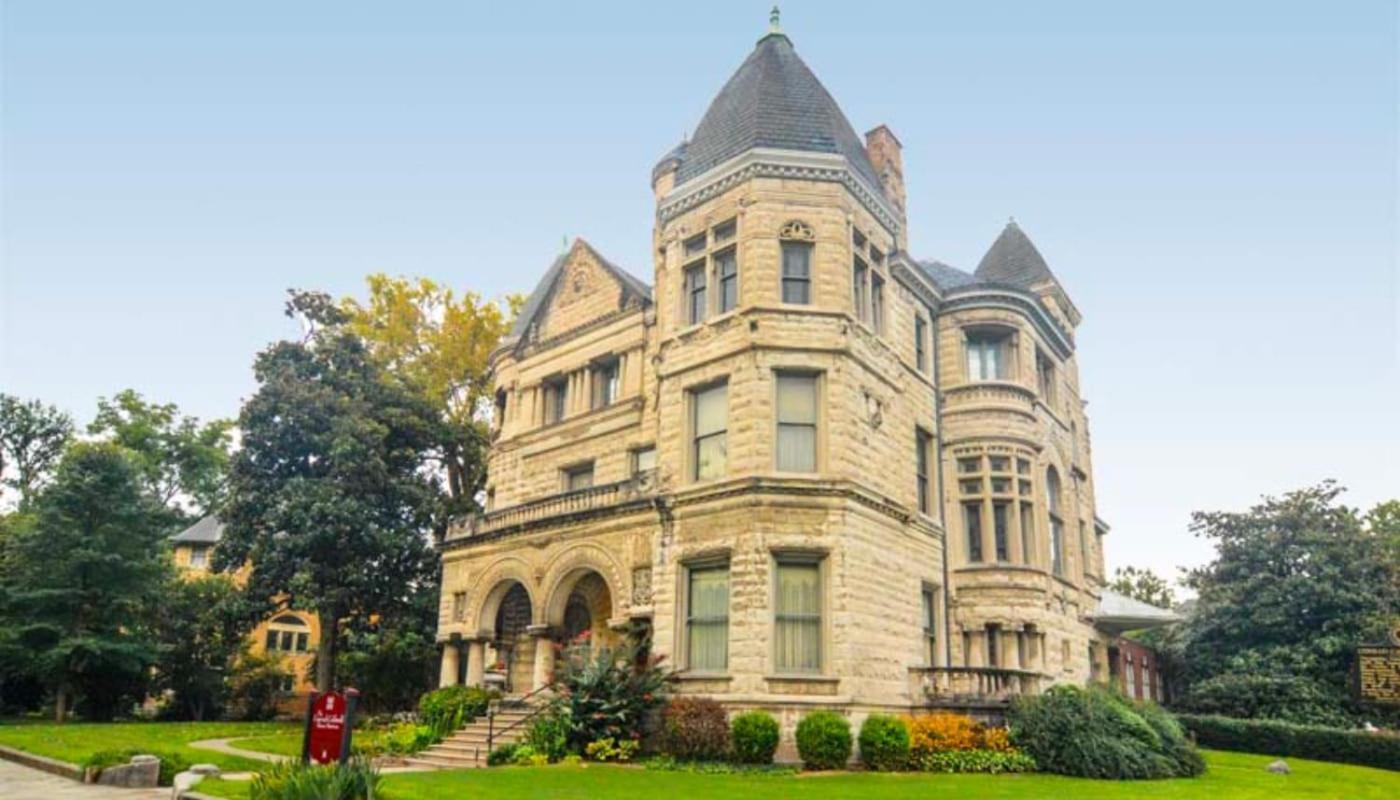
(587, 608)
(509, 649)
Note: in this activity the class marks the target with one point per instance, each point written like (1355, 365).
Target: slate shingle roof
(207, 531)
(1013, 259)
(773, 100)
(946, 277)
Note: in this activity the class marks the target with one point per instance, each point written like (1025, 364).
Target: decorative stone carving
(641, 586)
(798, 230)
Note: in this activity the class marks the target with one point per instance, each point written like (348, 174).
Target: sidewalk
(23, 783)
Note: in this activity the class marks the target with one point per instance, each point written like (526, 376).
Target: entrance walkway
(23, 783)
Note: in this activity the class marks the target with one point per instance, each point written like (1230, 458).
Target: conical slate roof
(1013, 259)
(775, 101)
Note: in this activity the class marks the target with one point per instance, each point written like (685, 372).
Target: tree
(81, 577)
(439, 344)
(1143, 585)
(203, 623)
(329, 498)
(180, 458)
(1297, 583)
(32, 439)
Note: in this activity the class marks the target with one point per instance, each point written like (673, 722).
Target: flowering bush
(607, 692)
(998, 740)
(934, 733)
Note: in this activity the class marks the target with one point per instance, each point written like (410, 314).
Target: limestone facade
(781, 273)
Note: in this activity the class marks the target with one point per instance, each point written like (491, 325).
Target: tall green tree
(183, 461)
(202, 623)
(81, 577)
(330, 499)
(32, 438)
(1298, 582)
(439, 344)
(1143, 585)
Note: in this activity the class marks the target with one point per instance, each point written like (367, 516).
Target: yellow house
(289, 633)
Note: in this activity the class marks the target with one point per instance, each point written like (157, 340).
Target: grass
(287, 743)
(74, 742)
(1232, 776)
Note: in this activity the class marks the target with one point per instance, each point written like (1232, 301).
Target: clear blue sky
(1215, 183)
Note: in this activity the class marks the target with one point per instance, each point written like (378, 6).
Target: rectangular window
(723, 232)
(1057, 545)
(1083, 547)
(860, 275)
(929, 607)
(986, 356)
(606, 382)
(1027, 533)
(999, 528)
(727, 271)
(923, 444)
(799, 617)
(920, 344)
(302, 640)
(271, 644)
(707, 619)
(578, 477)
(696, 307)
(877, 303)
(1021, 654)
(695, 245)
(797, 272)
(797, 423)
(970, 464)
(993, 635)
(643, 460)
(286, 643)
(972, 520)
(199, 556)
(710, 421)
(1045, 377)
(556, 399)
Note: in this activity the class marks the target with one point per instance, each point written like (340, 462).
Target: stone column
(451, 656)
(544, 656)
(476, 661)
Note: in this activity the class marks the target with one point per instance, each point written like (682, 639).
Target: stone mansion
(816, 469)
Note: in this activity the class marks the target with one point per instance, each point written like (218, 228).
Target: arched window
(1057, 525)
(288, 633)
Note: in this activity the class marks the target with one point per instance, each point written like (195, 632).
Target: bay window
(707, 618)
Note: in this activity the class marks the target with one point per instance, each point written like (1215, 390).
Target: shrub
(997, 740)
(1096, 733)
(1301, 741)
(608, 749)
(694, 728)
(884, 743)
(255, 685)
(608, 691)
(824, 740)
(549, 734)
(522, 754)
(449, 708)
(170, 762)
(1175, 745)
(753, 737)
(406, 738)
(989, 761)
(505, 754)
(1251, 696)
(935, 733)
(293, 780)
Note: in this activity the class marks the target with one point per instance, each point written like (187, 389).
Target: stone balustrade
(975, 686)
(564, 504)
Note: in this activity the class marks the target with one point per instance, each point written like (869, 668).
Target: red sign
(328, 726)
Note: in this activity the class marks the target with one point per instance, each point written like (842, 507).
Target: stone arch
(497, 581)
(567, 569)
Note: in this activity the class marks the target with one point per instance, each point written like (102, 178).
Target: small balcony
(974, 687)
(557, 508)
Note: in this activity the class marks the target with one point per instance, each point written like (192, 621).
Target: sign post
(330, 720)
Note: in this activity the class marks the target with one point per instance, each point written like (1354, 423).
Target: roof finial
(773, 20)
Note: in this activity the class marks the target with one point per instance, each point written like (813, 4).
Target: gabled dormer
(581, 290)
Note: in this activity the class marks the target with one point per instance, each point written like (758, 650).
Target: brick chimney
(885, 151)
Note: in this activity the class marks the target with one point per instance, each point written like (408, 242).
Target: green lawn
(73, 742)
(1232, 776)
(286, 743)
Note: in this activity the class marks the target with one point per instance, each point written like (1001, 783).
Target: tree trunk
(325, 654)
(60, 705)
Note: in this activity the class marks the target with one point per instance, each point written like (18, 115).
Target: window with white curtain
(797, 272)
(797, 422)
(710, 422)
(798, 617)
(707, 618)
(987, 355)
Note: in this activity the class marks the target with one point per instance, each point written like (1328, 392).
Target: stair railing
(521, 701)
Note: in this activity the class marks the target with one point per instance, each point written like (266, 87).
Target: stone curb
(50, 765)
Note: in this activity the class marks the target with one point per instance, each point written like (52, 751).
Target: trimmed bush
(293, 780)
(449, 708)
(824, 740)
(170, 763)
(1273, 738)
(505, 754)
(884, 743)
(754, 737)
(694, 729)
(1096, 733)
(987, 761)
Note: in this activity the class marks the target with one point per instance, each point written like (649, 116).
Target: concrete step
(425, 760)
